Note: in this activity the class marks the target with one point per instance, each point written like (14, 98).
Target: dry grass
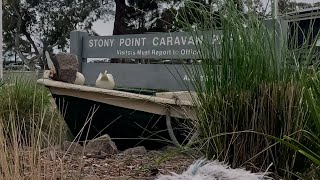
(31, 136)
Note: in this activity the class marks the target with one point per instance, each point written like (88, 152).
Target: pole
(1, 56)
(275, 9)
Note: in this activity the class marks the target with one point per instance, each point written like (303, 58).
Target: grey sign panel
(178, 45)
(149, 76)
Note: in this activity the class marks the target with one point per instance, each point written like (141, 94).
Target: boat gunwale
(151, 98)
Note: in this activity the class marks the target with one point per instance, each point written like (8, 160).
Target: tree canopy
(32, 26)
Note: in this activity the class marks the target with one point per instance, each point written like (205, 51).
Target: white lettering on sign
(143, 53)
(195, 78)
(186, 78)
(189, 52)
(126, 53)
(178, 40)
(101, 42)
(169, 41)
(217, 38)
(161, 53)
(132, 42)
(156, 41)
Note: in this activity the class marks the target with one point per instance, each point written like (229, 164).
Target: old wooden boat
(149, 119)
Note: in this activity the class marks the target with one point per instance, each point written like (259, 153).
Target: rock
(72, 147)
(168, 149)
(66, 66)
(51, 148)
(140, 150)
(91, 177)
(101, 146)
(154, 153)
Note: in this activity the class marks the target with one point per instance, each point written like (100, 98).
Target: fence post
(76, 43)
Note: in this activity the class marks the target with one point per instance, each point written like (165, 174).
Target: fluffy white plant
(214, 170)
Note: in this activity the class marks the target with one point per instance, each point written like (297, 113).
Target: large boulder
(102, 145)
(66, 66)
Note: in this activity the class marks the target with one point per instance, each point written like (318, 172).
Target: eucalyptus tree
(140, 16)
(31, 27)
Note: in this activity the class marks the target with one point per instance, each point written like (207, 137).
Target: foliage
(27, 105)
(25, 137)
(140, 16)
(1, 82)
(312, 150)
(251, 88)
(32, 26)
(286, 6)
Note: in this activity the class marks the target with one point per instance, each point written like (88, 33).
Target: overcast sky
(106, 28)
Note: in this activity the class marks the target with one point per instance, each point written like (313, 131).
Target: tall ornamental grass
(249, 87)
(30, 107)
(30, 126)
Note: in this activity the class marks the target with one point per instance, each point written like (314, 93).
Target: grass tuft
(250, 86)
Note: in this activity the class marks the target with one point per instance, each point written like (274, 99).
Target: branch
(17, 35)
(25, 33)
(17, 40)
(53, 45)
(93, 32)
(23, 57)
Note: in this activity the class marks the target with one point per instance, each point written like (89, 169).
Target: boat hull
(89, 119)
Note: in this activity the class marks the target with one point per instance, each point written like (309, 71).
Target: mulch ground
(61, 165)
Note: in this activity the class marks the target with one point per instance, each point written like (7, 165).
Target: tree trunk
(119, 21)
(28, 36)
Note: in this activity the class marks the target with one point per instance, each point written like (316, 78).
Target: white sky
(106, 28)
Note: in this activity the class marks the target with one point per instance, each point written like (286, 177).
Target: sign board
(178, 45)
(149, 76)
